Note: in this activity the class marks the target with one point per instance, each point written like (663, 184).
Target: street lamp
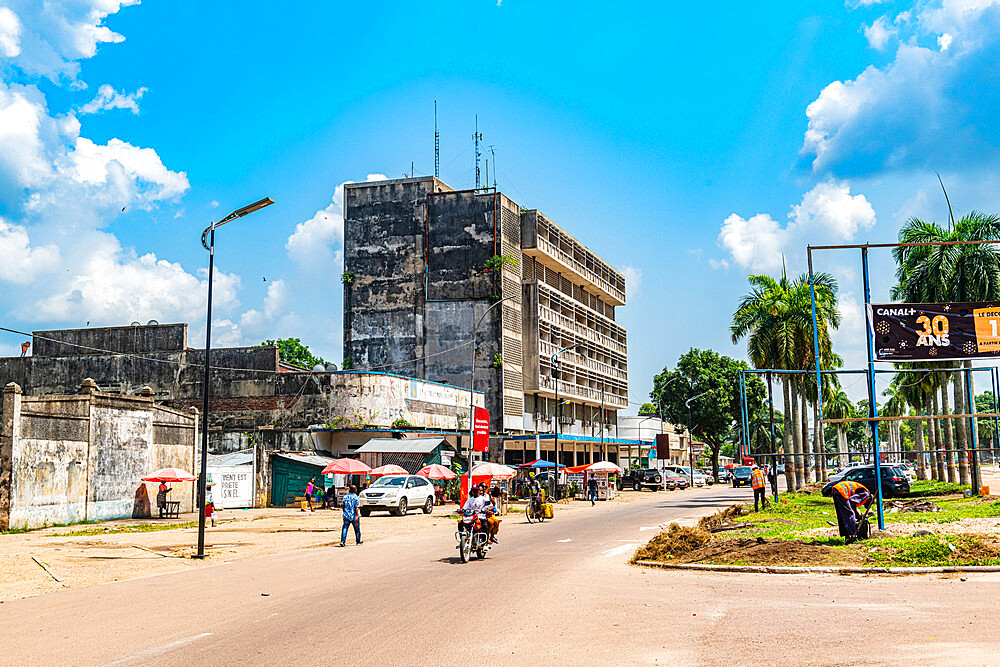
(208, 241)
(555, 446)
(472, 389)
(687, 404)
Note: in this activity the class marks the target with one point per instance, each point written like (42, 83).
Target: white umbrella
(604, 466)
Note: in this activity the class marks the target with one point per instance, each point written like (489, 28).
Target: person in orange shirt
(758, 481)
(847, 497)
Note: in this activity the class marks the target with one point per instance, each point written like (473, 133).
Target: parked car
(908, 470)
(839, 475)
(724, 475)
(397, 494)
(894, 481)
(638, 479)
(709, 477)
(741, 476)
(700, 478)
(675, 481)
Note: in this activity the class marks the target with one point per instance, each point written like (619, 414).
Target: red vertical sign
(481, 430)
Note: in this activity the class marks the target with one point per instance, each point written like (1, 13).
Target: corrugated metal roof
(307, 458)
(241, 458)
(412, 445)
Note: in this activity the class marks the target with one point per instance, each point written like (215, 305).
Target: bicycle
(534, 511)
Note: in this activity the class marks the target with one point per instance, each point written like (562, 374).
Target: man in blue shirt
(351, 516)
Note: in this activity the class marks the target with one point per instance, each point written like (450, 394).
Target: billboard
(934, 331)
(481, 430)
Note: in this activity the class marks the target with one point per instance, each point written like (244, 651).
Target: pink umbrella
(436, 471)
(346, 467)
(389, 469)
(604, 466)
(170, 475)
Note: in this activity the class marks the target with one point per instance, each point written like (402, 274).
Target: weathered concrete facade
(69, 458)
(418, 253)
(255, 400)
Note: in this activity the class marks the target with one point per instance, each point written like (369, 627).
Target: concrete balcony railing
(589, 394)
(548, 349)
(616, 295)
(571, 325)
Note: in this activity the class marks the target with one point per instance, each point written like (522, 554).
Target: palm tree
(776, 318)
(960, 273)
(838, 406)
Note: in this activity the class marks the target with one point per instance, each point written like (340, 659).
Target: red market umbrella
(170, 475)
(389, 469)
(492, 470)
(436, 471)
(346, 467)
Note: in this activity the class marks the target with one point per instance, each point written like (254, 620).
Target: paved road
(554, 592)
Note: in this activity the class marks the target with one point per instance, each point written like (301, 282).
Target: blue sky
(687, 145)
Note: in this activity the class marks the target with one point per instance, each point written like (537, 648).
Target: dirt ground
(86, 560)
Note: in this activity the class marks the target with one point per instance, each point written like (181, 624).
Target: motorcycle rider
(492, 521)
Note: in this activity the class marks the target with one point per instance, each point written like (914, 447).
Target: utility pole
(437, 144)
(477, 137)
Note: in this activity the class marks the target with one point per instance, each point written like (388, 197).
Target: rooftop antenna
(437, 144)
(493, 155)
(477, 137)
(952, 215)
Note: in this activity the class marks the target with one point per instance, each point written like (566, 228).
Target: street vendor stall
(601, 472)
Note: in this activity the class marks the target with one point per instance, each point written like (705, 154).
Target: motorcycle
(471, 535)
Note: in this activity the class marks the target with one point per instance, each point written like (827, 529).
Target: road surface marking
(566, 540)
(163, 648)
(648, 528)
(619, 550)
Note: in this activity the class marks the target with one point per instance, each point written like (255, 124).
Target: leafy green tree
(647, 410)
(711, 417)
(292, 351)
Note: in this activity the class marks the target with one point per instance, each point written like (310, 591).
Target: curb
(764, 569)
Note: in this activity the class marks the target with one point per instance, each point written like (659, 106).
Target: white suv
(398, 493)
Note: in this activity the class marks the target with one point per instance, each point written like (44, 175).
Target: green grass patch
(934, 488)
(127, 528)
(19, 531)
(932, 551)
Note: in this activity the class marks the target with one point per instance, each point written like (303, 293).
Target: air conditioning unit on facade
(566, 420)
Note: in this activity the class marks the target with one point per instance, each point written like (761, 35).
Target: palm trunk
(841, 446)
(918, 441)
(961, 435)
(796, 427)
(949, 435)
(939, 467)
(819, 445)
(786, 437)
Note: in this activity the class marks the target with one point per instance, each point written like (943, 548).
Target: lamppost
(472, 390)
(555, 374)
(208, 241)
(687, 404)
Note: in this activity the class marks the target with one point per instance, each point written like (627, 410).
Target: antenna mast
(437, 144)
(477, 137)
(493, 155)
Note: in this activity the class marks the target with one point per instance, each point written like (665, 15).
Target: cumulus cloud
(827, 212)
(10, 33)
(108, 98)
(132, 174)
(54, 35)
(22, 263)
(879, 33)
(931, 107)
(312, 243)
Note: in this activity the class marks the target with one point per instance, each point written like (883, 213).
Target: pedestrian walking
(352, 517)
(310, 489)
(592, 490)
(758, 481)
(209, 503)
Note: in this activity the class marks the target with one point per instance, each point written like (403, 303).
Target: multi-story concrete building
(424, 264)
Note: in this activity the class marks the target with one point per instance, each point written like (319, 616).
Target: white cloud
(827, 211)
(879, 33)
(830, 207)
(755, 243)
(864, 3)
(312, 243)
(10, 33)
(129, 172)
(108, 98)
(55, 34)
(111, 284)
(633, 278)
(21, 263)
(931, 107)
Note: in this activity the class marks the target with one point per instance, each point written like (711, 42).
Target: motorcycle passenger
(492, 522)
